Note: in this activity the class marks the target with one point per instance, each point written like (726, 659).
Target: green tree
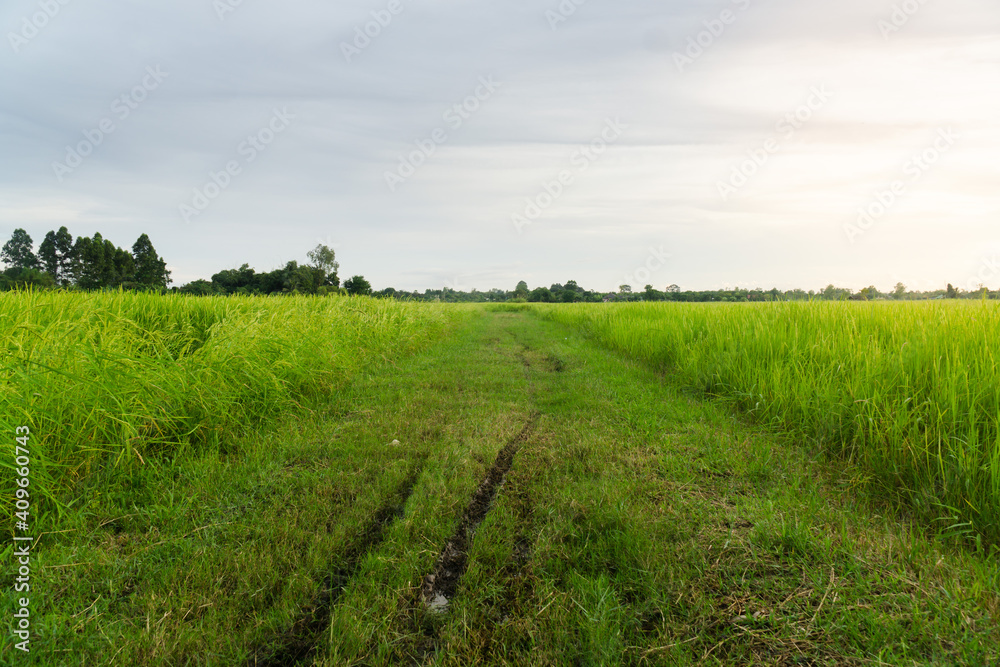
(47, 255)
(14, 278)
(56, 255)
(540, 294)
(198, 288)
(150, 269)
(521, 291)
(324, 259)
(124, 267)
(89, 253)
(18, 252)
(832, 293)
(951, 292)
(869, 293)
(899, 292)
(358, 286)
(100, 264)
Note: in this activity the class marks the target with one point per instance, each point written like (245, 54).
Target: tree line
(96, 263)
(318, 277)
(85, 263)
(571, 292)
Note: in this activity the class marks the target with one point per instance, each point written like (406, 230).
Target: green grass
(638, 525)
(107, 380)
(910, 392)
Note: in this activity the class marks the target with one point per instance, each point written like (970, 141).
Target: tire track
(299, 643)
(440, 586)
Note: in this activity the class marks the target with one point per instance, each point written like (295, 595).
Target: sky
(439, 143)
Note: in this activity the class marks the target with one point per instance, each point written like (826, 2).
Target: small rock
(439, 604)
(394, 443)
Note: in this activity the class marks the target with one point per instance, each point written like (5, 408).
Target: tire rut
(299, 643)
(440, 586)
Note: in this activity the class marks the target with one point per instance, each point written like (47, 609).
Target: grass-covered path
(513, 496)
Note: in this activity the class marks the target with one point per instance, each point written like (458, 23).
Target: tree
(869, 293)
(625, 289)
(540, 294)
(150, 269)
(951, 292)
(198, 288)
(521, 291)
(56, 255)
(324, 259)
(18, 252)
(832, 293)
(14, 278)
(47, 255)
(358, 286)
(230, 281)
(124, 267)
(305, 279)
(899, 291)
(90, 271)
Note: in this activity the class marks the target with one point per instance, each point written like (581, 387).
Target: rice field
(335, 482)
(106, 379)
(911, 392)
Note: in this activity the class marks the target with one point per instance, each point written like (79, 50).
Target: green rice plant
(911, 391)
(109, 379)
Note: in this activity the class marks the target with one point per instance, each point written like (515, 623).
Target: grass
(637, 525)
(108, 380)
(910, 392)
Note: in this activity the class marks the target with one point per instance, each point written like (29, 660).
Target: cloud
(325, 175)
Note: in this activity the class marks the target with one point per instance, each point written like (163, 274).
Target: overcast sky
(707, 144)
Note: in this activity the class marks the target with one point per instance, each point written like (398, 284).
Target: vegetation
(112, 379)
(88, 263)
(95, 264)
(910, 392)
(579, 509)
